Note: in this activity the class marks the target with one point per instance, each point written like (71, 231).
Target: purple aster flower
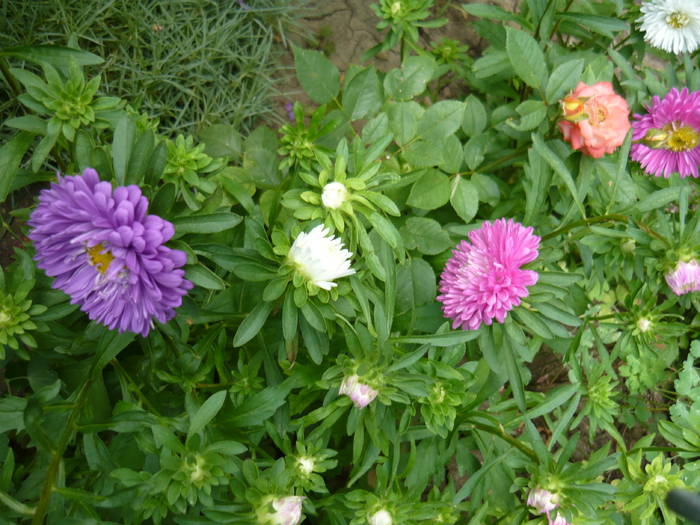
(107, 253)
(667, 139)
(483, 279)
(685, 277)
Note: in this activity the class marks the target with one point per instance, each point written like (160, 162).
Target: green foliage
(355, 398)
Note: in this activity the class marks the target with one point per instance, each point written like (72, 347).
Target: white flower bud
(287, 511)
(542, 500)
(306, 465)
(381, 517)
(334, 195)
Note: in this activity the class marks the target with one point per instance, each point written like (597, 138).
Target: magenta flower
(667, 139)
(483, 279)
(684, 278)
(107, 253)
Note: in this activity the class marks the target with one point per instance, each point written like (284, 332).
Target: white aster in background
(360, 394)
(381, 517)
(334, 195)
(287, 510)
(320, 257)
(671, 25)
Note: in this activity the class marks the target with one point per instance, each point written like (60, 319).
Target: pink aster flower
(667, 139)
(596, 119)
(360, 394)
(483, 280)
(685, 277)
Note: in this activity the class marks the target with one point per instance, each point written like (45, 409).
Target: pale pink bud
(684, 278)
(287, 511)
(360, 394)
(559, 520)
(542, 500)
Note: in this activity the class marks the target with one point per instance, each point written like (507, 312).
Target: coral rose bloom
(596, 119)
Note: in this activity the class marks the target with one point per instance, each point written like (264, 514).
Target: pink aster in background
(542, 501)
(685, 277)
(596, 119)
(667, 139)
(483, 280)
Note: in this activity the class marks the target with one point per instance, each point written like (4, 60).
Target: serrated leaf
(526, 57)
(317, 75)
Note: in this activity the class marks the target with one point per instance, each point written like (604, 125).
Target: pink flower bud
(287, 511)
(543, 501)
(360, 394)
(684, 278)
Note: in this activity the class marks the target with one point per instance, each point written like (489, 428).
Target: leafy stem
(585, 222)
(501, 433)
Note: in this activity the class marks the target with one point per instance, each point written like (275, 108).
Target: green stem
(501, 433)
(556, 25)
(584, 222)
(17, 506)
(56, 456)
(11, 80)
(134, 387)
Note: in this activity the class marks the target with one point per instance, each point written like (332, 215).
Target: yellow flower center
(683, 138)
(678, 20)
(100, 257)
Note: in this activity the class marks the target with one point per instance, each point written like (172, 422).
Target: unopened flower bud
(381, 517)
(306, 465)
(572, 108)
(542, 500)
(628, 246)
(643, 324)
(334, 195)
(287, 511)
(360, 394)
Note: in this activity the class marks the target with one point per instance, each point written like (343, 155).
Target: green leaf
(423, 154)
(206, 412)
(30, 123)
(489, 11)
(363, 96)
(559, 168)
(202, 276)
(121, 147)
(252, 324)
(261, 406)
(441, 120)
(11, 154)
(464, 198)
(213, 223)
(431, 191)
(386, 230)
(42, 151)
(532, 113)
(526, 57)
(563, 79)
(259, 159)
(317, 75)
(603, 25)
(411, 80)
(426, 235)
(514, 377)
(475, 116)
(290, 317)
(221, 140)
(416, 285)
(658, 199)
(440, 340)
(57, 56)
(555, 398)
(403, 120)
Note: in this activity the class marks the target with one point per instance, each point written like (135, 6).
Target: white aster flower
(360, 394)
(381, 517)
(671, 25)
(334, 195)
(320, 257)
(287, 511)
